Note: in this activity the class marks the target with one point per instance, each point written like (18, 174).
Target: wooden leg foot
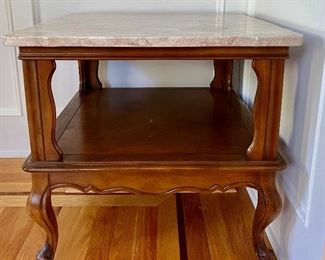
(268, 208)
(46, 253)
(41, 211)
(265, 254)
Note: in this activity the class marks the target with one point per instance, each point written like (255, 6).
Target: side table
(154, 140)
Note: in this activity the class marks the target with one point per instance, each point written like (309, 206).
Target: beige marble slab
(154, 30)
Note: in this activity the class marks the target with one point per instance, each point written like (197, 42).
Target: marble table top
(154, 30)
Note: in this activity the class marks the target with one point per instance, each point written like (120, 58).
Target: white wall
(297, 234)
(13, 124)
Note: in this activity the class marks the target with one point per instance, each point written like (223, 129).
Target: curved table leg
(268, 208)
(41, 211)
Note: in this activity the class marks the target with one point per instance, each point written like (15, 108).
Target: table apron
(152, 53)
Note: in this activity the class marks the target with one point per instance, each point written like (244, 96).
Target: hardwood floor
(210, 226)
(216, 227)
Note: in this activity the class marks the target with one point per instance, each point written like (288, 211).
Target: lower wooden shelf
(154, 127)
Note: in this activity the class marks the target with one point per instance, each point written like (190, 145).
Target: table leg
(222, 74)
(41, 211)
(268, 208)
(88, 75)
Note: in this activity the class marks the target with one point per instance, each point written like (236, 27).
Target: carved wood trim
(212, 189)
(41, 110)
(266, 109)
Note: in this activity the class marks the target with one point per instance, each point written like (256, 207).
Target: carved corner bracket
(266, 109)
(41, 109)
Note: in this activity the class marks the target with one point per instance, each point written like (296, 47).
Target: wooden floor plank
(238, 229)
(75, 226)
(195, 232)
(32, 244)
(104, 224)
(123, 243)
(145, 247)
(167, 242)
(12, 178)
(15, 227)
(215, 226)
(12, 165)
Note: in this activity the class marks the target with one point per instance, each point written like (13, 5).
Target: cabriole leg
(268, 208)
(41, 211)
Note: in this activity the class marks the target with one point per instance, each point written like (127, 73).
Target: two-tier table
(154, 140)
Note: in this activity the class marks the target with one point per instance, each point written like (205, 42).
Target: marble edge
(291, 39)
(232, 41)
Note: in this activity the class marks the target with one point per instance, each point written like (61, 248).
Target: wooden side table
(154, 140)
